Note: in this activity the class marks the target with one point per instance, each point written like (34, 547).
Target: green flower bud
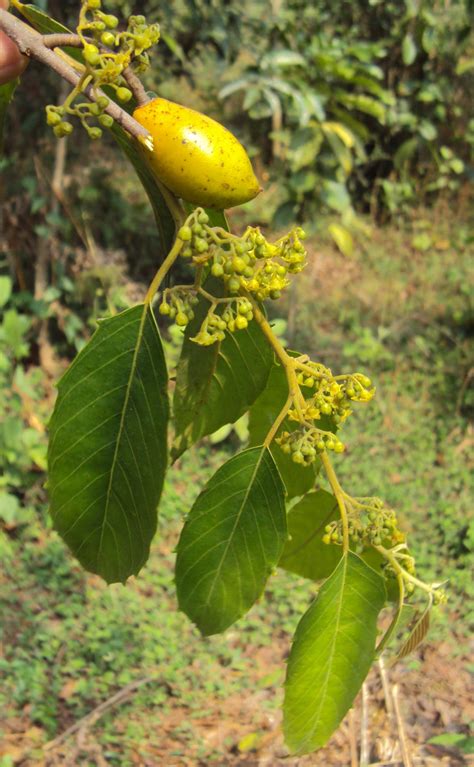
(185, 233)
(108, 38)
(110, 21)
(241, 322)
(106, 120)
(53, 118)
(63, 129)
(181, 319)
(164, 309)
(124, 94)
(103, 102)
(91, 54)
(217, 270)
(95, 133)
(234, 285)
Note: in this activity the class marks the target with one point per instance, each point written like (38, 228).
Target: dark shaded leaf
(231, 541)
(108, 446)
(217, 384)
(305, 553)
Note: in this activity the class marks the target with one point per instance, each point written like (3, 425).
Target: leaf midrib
(237, 519)
(344, 562)
(114, 462)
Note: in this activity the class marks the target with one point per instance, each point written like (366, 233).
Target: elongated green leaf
(163, 218)
(108, 446)
(305, 553)
(297, 479)
(332, 653)
(217, 384)
(231, 541)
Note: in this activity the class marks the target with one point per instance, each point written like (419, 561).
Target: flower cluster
(305, 444)
(177, 304)
(236, 315)
(107, 52)
(370, 523)
(247, 263)
(331, 395)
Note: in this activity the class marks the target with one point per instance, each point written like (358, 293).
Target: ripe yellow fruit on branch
(196, 157)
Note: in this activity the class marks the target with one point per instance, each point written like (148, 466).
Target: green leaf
(108, 447)
(282, 58)
(305, 553)
(6, 287)
(296, 478)
(409, 50)
(332, 653)
(6, 96)
(164, 220)
(231, 541)
(343, 239)
(216, 385)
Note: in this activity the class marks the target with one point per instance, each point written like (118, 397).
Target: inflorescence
(107, 53)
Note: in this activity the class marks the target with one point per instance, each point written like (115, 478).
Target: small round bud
(238, 264)
(217, 270)
(124, 94)
(241, 322)
(91, 54)
(108, 38)
(63, 129)
(201, 245)
(164, 309)
(94, 4)
(103, 102)
(185, 233)
(110, 21)
(95, 133)
(53, 118)
(234, 285)
(181, 319)
(203, 218)
(106, 121)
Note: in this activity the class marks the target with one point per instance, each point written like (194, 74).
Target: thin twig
(364, 727)
(97, 712)
(401, 729)
(353, 739)
(62, 39)
(30, 42)
(136, 86)
(386, 690)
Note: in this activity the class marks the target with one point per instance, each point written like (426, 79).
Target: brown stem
(136, 86)
(31, 44)
(61, 39)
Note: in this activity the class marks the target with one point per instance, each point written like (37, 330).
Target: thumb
(12, 63)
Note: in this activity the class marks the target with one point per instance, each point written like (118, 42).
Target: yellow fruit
(195, 157)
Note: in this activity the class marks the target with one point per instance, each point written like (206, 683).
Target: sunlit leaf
(332, 652)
